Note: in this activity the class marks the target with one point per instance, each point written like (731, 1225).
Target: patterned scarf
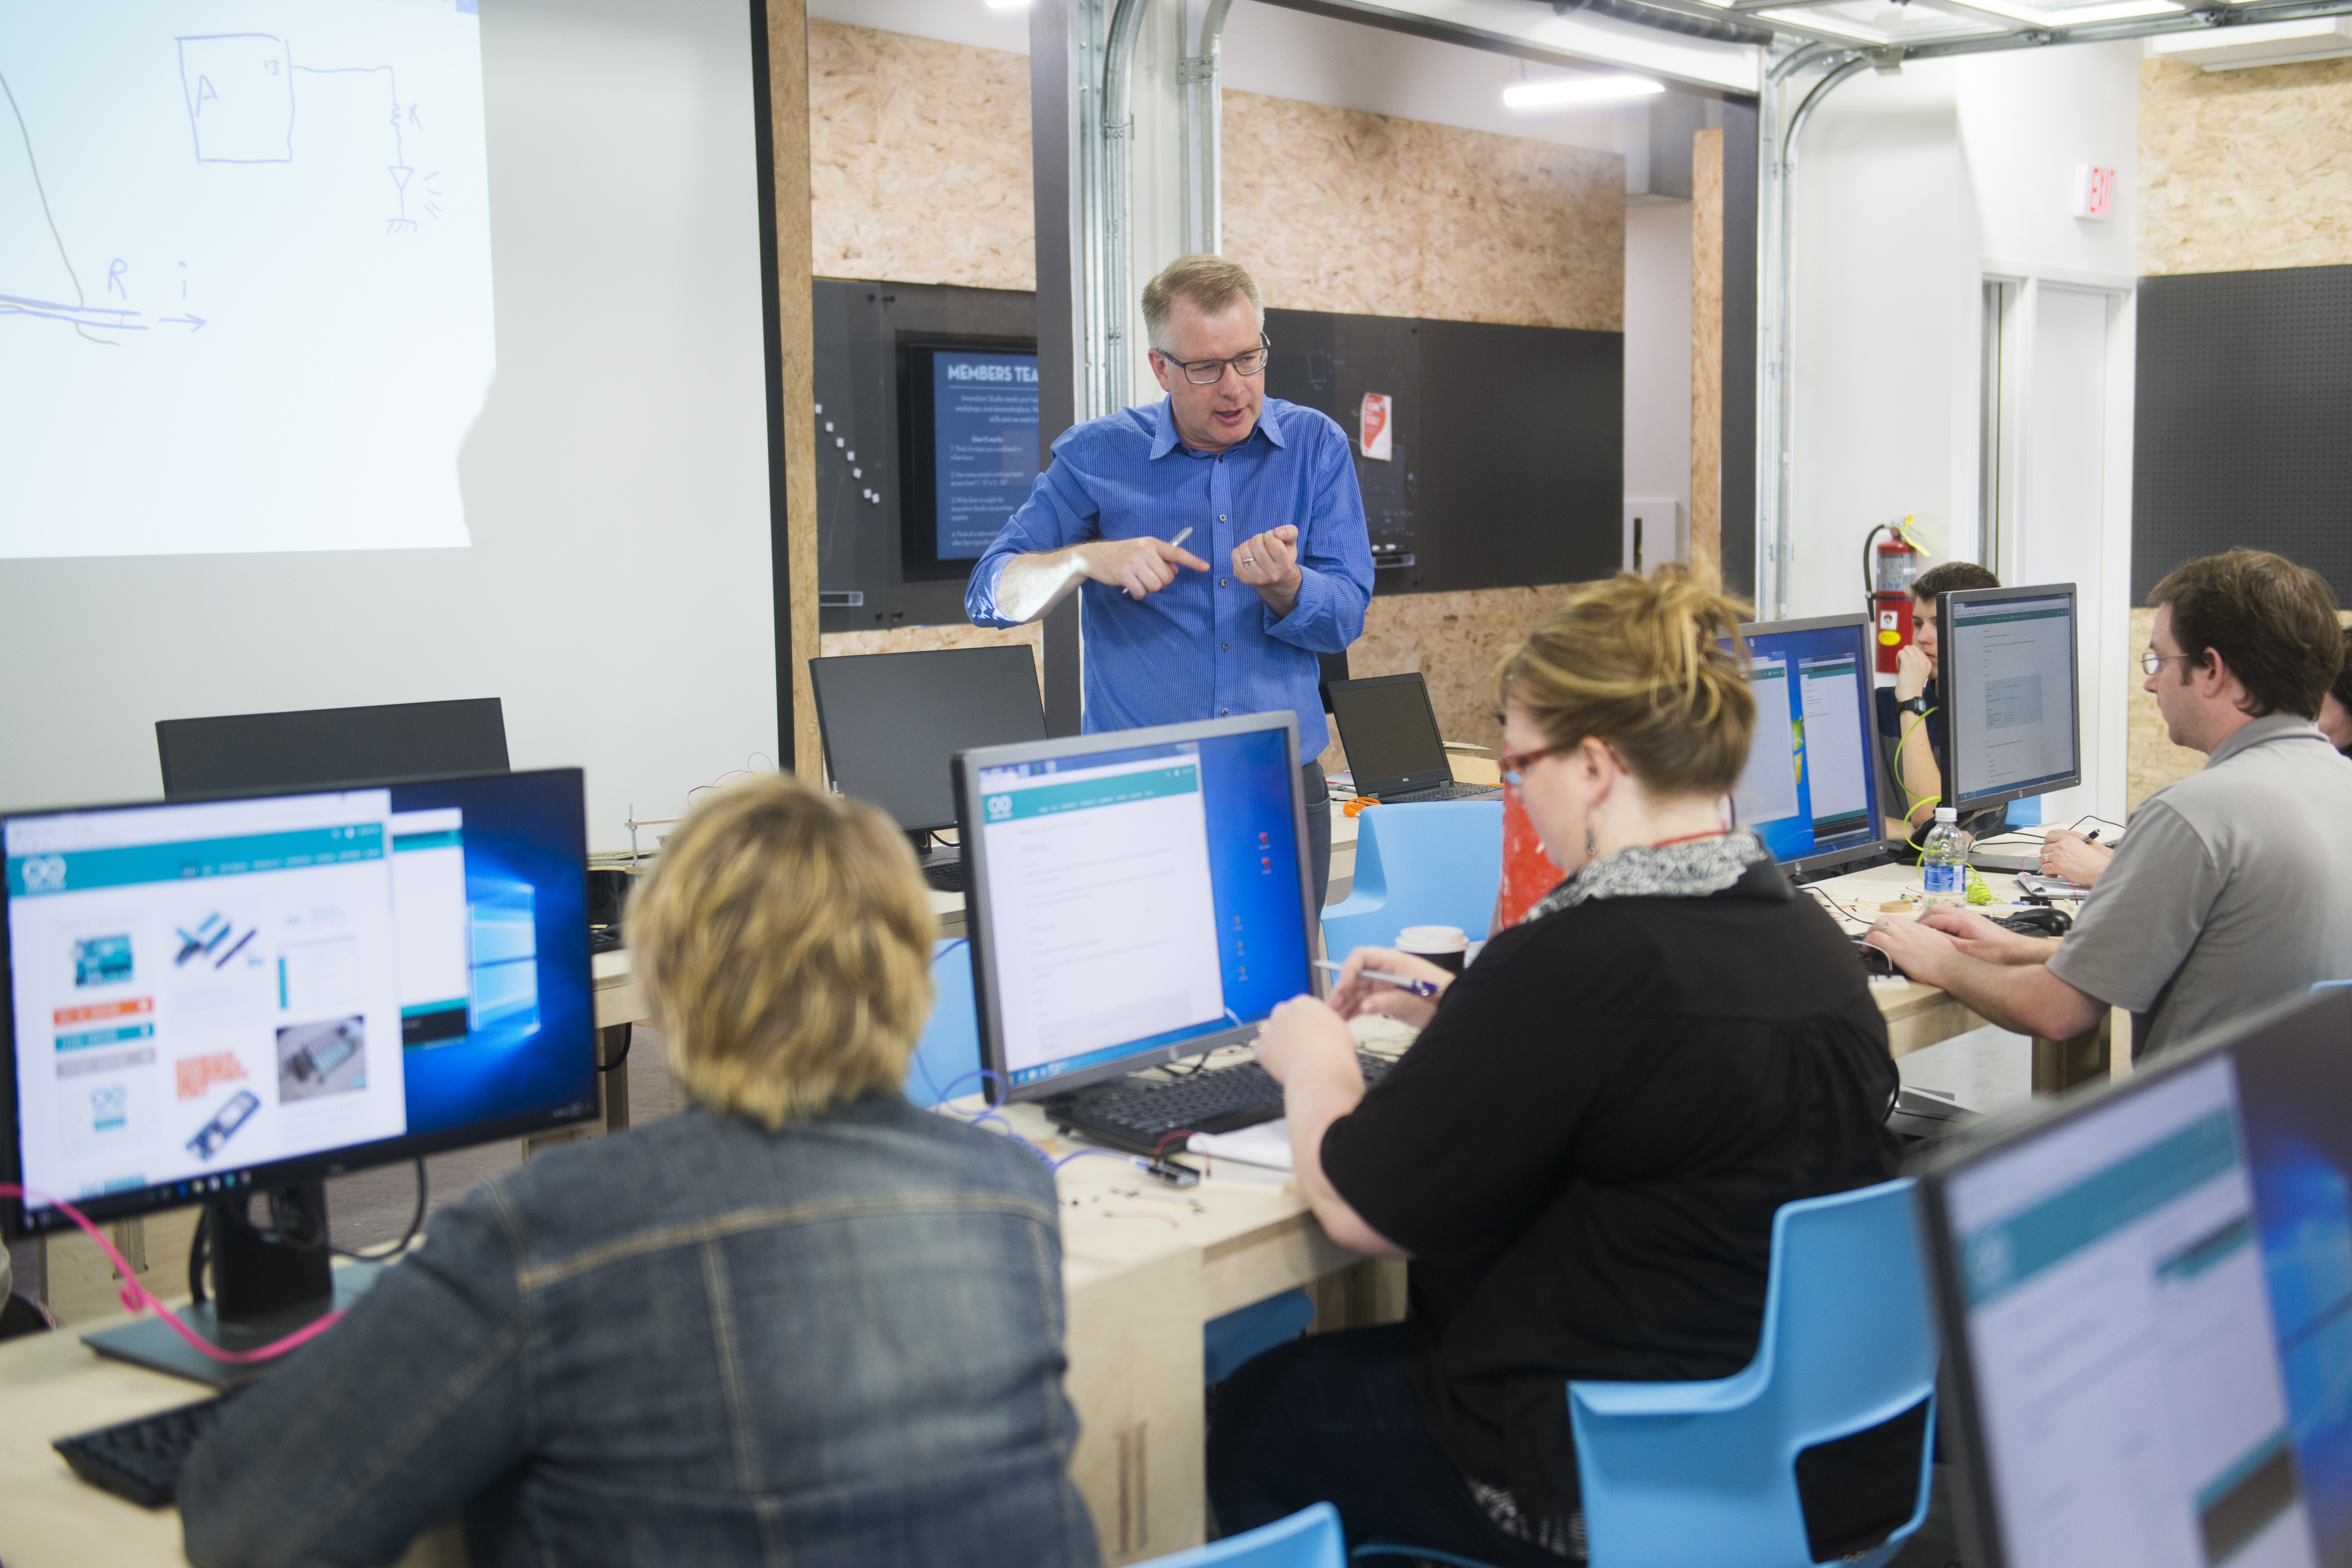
(1690, 870)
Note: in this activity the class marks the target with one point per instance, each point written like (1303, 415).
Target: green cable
(1912, 729)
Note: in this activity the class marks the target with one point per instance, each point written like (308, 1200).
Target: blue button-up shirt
(1205, 646)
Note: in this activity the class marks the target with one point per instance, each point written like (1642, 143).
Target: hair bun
(1653, 665)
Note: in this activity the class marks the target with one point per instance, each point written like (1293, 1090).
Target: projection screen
(385, 351)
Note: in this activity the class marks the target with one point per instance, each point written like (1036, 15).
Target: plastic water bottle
(1944, 859)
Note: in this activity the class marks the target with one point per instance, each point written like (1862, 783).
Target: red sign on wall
(2095, 191)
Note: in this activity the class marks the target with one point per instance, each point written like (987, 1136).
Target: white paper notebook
(1266, 1144)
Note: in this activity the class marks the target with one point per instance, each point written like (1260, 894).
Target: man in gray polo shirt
(2232, 887)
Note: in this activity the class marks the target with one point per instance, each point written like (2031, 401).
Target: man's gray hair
(1211, 282)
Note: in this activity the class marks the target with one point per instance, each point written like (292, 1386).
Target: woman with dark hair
(1582, 1152)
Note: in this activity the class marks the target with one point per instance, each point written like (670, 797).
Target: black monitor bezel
(1874, 848)
(1407, 783)
(1947, 753)
(17, 1220)
(826, 726)
(172, 737)
(996, 1080)
(920, 560)
(1934, 1169)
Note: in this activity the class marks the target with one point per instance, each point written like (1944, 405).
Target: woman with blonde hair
(802, 1321)
(1583, 1152)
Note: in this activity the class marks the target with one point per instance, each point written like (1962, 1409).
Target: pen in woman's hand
(1417, 987)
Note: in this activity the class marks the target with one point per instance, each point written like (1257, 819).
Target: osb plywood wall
(2242, 170)
(919, 160)
(1707, 348)
(2150, 759)
(919, 639)
(1335, 210)
(788, 113)
(1454, 640)
(2239, 171)
(919, 171)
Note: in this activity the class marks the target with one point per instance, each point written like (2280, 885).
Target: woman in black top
(1582, 1152)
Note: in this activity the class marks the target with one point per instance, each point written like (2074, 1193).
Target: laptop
(1390, 732)
(2145, 1293)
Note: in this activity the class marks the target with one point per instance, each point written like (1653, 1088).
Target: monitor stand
(263, 1289)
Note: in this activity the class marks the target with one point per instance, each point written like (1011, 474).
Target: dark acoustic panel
(1524, 434)
(1329, 362)
(859, 488)
(2242, 420)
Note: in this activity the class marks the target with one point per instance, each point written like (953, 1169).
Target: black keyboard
(1873, 960)
(140, 1459)
(945, 876)
(1142, 1114)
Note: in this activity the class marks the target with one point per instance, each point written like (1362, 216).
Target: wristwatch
(1914, 705)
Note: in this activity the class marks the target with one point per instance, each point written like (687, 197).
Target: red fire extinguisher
(1890, 571)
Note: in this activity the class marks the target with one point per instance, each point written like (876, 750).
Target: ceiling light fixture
(1008, 5)
(1577, 89)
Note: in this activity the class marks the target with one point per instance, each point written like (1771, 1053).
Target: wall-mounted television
(968, 446)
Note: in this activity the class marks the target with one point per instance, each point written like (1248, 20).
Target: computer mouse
(2042, 921)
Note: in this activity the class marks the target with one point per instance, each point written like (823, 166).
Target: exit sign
(2095, 191)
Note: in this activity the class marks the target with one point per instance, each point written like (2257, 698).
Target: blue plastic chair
(947, 1056)
(1307, 1538)
(947, 1066)
(1423, 862)
(1676, 1473)
(1229, 1341)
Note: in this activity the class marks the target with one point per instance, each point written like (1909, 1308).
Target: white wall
(1658, 352)
(616, 594)
(1913, 190)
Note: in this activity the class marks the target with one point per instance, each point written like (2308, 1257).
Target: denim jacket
(693, 1342)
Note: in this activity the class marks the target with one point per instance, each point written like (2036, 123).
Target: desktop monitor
(2144, 1292)
(330, 746)
(204, 999)
(1811, 786)
(2007, 662)
(1136, 897)
(893, 723)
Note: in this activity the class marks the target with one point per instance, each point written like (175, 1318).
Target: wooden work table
(1144, 1267)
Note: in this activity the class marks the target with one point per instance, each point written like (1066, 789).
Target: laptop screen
(1390, 733)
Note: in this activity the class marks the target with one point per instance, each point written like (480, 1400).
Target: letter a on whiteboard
(1374, 425)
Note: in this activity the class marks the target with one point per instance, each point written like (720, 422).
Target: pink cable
(137, 1298)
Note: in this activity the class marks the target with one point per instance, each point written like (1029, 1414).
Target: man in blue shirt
(1265, 487)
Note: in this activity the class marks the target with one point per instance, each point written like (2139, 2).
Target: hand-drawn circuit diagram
(245, 94)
